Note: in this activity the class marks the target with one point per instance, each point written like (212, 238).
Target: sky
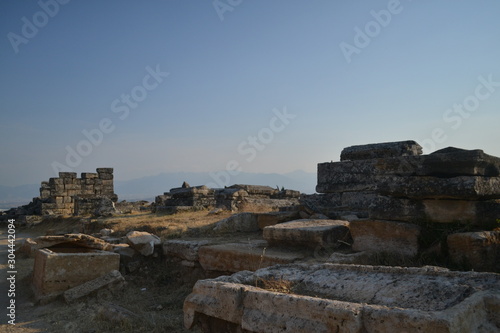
(235, 86)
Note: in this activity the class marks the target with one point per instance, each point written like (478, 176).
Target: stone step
(235, 257)
(308, 232)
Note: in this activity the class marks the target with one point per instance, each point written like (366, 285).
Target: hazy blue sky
(268, 86)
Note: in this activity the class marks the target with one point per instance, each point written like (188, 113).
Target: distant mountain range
(147, 188)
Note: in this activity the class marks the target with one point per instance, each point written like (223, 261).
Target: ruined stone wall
(68, 195)
(231, 198)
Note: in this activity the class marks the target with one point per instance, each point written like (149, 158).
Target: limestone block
(55, 181)
(106, 280)
(104, 170)
(106, 176)
(385, 236)
(59, 200)
(72, 186)
(479, 213)
(477, 250)
(107, 182)
(462, 187)
(381, 150)
(311, 233)
(107, 189)
(237, 257)
(90, 181)
(143, 242)
(183, 249)
(89, 175)
(67, 175)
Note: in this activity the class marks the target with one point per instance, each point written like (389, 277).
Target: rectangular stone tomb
(59, 269)
(300, 298)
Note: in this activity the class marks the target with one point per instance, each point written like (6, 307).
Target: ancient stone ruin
(397, 199)
(92, 194)
(380, 199)
(231, 198)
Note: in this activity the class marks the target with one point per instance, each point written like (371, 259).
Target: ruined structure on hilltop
(92, 194)
(232, 198)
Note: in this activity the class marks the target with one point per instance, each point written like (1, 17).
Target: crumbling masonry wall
(69, 195)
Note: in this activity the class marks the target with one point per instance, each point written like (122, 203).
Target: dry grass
(163, 225)
(276, 285)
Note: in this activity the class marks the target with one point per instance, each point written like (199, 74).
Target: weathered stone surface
(311, 233)
(106, 280)
(273, 218)
(385, 236)
(243, 222)
(364, 175)
(59, 269)
(478, 213)
(462, 187)
(143, 242)
(237, 257)
(69, 240)
(184, 249)
(477, 250)
(348, 298)
(381, 150)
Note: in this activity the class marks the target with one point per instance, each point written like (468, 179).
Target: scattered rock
(143, 242)
(106, 232)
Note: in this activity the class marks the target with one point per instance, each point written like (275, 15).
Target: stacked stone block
(397, 196)
(69, 195)
(450, 185)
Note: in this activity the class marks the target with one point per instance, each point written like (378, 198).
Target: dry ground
(154, 294)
